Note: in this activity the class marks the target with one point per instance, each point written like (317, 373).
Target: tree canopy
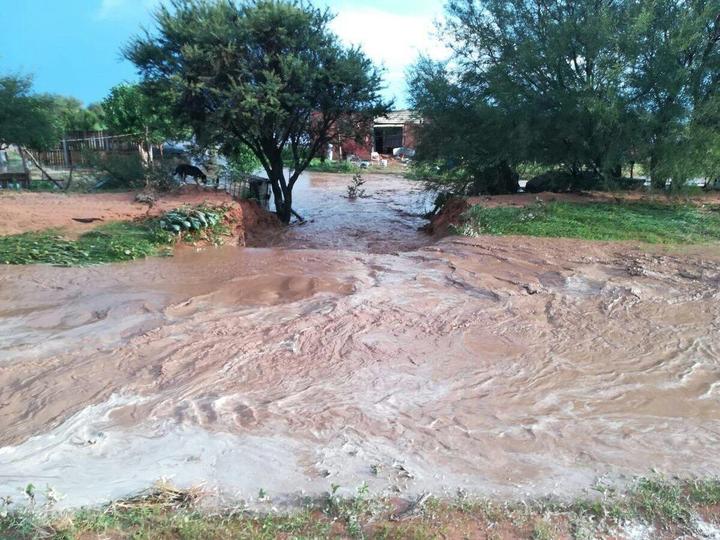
(267, 74)
(73, 116)
(583, 85)
(130, 110)
(26, 119)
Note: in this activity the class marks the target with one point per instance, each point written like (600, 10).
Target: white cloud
(391, 40)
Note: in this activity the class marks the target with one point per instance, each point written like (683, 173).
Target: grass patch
(672, 507)
(342, 166)
(646, 222)
(111, 242)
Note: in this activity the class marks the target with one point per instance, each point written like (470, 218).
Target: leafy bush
(160, 176)
(42, 185)
(466, 180)
(108, 243)
(196, 223)
(559, 181)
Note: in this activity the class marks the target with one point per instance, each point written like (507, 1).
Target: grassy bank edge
(110, 242)
(650, 222)
(666, 507)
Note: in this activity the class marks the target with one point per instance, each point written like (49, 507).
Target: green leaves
(268, 75)
(131, 109)
(578, 85)
(27, 119)
(189, 219)
(115, 242)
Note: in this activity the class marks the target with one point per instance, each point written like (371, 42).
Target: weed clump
(355, 190)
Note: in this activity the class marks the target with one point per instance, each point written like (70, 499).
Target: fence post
(26, 170)
(66, 158)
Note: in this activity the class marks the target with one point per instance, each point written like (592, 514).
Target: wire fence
(249, 187)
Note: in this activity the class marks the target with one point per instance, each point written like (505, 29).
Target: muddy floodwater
(361, 351)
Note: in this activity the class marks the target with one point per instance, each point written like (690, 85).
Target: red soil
(24, 212)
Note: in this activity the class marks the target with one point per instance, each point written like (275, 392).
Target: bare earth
(23, 212)
(507, 366)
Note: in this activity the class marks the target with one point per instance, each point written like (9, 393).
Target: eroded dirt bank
(23, 212)
(512, 366)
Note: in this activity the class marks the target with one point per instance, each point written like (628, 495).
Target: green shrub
(192, 223)
(160, 176)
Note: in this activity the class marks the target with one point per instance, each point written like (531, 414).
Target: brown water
(384, 220)
(496, 365)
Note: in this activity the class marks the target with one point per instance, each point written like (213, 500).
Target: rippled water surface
(356, 350)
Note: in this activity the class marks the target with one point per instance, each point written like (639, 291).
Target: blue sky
(72, 47)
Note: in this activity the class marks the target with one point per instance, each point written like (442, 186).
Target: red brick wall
(410, 135)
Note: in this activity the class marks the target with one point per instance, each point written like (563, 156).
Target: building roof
(398, 118)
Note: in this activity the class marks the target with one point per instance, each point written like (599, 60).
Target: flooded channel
(385, 218)
(354, 350)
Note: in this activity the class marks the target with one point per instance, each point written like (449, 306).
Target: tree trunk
(143, 154)
(286, 215)
(655, 181)
(148, 146)
(69, 181)
(24, 160)
(283, 208)
(283, 201)
(27, 153)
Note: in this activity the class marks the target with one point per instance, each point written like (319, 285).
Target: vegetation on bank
(300, 81)
(116, 242)
(588, 92)
(666, 508)
(642, 221)
(342, 166)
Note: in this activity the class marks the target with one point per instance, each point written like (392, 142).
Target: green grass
(333, 166)
(111, 242)
(168, 513)
(646, 222)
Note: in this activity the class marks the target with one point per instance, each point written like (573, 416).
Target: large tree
(129, 109)
(26, 120)
(551, 66)
(673, 79)
(469, 144)
(584, 85)
(267, 74)
(73, 117)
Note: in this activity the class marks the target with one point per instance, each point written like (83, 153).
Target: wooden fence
(78, 152)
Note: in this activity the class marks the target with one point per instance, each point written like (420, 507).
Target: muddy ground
(22, 212)
(362, 352)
